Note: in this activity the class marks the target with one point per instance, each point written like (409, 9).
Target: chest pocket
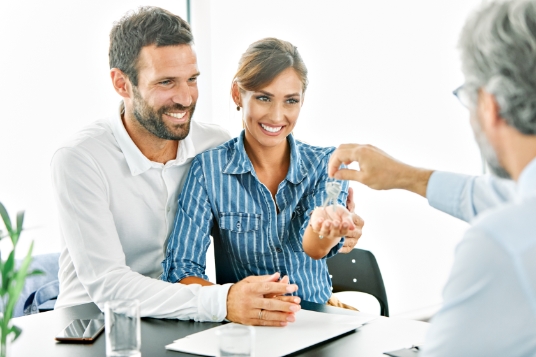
(240, 222)
(242, 237)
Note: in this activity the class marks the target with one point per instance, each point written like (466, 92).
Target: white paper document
(309, 329)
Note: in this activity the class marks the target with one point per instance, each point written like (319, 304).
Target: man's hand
(247, 304)
(377, 170)
(351, 238)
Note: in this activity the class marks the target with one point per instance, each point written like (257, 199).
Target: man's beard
(487, 151)
(153, 122)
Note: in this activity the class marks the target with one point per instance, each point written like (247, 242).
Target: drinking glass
(236, 340)
(123, 334)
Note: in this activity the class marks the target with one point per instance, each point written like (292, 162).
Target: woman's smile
(271, 130)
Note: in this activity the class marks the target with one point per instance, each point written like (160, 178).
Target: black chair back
(358, 271)
(355, 271)
(224, 271)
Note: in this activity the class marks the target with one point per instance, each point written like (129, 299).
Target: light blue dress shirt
(489, 306)
(222, 184)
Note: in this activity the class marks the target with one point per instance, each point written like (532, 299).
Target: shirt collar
(297, 170)
(240, 163)
(136, 161)
(526, 184)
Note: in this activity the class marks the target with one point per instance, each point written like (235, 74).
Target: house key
(333, 190)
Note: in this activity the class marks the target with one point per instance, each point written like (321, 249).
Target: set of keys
(333, 190)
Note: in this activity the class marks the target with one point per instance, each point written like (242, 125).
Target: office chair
(358, 271)
(224, 271)
(40, 291)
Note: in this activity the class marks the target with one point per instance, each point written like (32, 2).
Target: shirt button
(279, 250)
(168, 209)
(214, 318)
(238, 225)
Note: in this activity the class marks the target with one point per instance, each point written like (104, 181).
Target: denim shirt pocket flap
(298, 211)
(240, 222)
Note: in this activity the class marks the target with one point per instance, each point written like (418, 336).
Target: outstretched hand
(377, 169)
(332, 222)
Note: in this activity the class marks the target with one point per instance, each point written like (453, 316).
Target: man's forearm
(415, 180)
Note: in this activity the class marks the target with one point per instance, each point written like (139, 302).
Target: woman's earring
(238, 108)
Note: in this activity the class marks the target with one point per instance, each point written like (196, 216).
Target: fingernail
(290, 288)
(297, 300)
(283, 323)
(295, 308)
(345, 225)
(290, 318)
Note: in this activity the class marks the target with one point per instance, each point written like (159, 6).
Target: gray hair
(498, 52)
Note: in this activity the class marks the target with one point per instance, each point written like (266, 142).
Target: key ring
(333, 190)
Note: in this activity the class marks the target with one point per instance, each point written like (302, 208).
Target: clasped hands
(261, 300)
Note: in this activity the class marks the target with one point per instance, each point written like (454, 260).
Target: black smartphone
(81, 331)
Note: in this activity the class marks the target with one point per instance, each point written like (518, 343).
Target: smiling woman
(274, 109)
(262, 187)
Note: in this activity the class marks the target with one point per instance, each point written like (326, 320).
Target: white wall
(380, 73)
(54, 80)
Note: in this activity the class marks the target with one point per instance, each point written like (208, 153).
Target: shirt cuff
(444, 191)
(212, 302)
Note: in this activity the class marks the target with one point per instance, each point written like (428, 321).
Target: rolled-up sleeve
(190, 238)
(464, 196)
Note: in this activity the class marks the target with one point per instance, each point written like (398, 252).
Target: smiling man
(117, 183)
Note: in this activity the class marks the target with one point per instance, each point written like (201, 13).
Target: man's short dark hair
(144, 27)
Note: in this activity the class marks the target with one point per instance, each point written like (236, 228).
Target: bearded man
(117, 182)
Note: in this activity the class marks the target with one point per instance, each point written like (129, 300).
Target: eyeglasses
(463, 96)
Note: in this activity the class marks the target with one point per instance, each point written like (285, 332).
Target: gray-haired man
(490, 297)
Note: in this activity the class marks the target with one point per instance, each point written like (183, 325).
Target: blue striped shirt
(222, 184)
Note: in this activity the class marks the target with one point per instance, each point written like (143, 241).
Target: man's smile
(176, 115)
(178, 118)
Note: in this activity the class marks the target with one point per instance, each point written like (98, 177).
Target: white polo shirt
(116, 210)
